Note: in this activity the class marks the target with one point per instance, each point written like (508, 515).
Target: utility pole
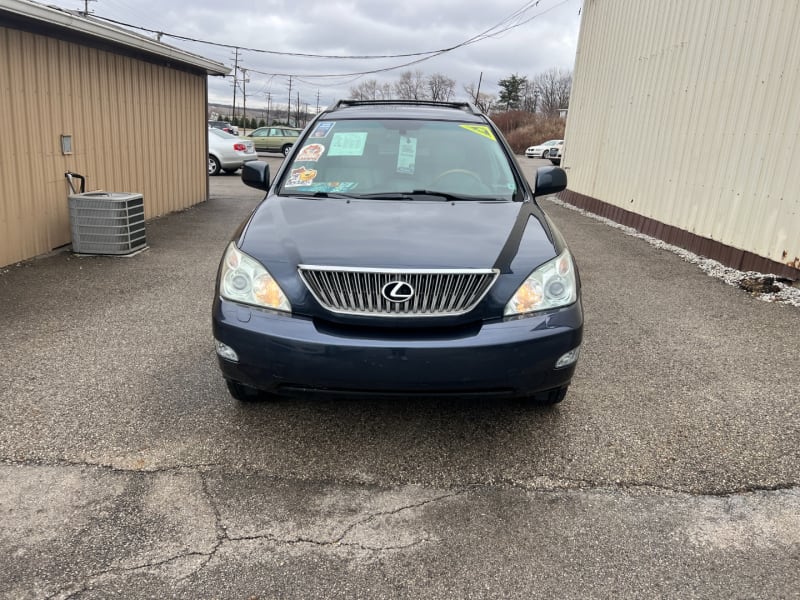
(235, 81)
(297, 114)
(244, 98)
(289, 106)
(317, 102)
(478, 92)
(269, 101)
(86, 7)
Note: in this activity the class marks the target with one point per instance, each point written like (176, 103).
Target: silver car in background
(228, 152)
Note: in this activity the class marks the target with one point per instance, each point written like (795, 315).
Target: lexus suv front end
(399, 251)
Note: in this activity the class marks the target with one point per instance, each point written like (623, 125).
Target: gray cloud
(356, 27)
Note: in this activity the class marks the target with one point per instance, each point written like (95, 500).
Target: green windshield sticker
(348, 144)
(481, 130)
(407, 155)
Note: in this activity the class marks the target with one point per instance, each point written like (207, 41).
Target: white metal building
(684, 122)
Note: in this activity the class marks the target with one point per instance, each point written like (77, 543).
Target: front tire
(545, 153)
(286, 149)
(213, 165)
(242, 392)
(550, 397)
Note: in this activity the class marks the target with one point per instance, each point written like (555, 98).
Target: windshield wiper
(412, 194)
(321, 195)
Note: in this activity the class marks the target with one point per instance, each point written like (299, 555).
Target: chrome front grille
(398, 292)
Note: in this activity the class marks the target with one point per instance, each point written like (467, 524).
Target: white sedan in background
(227, 152)
(542, 150)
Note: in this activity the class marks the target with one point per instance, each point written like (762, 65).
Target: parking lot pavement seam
(542, 484)
(14, 462)
(546, 484)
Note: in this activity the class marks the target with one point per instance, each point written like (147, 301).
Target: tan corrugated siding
(136, 127)
(686, 112)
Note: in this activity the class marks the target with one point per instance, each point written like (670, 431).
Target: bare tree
(411, 86)
(554, 88)
(483, 101)
(440, 87)
(530, 97)
(366, 90)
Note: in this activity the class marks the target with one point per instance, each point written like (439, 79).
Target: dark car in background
(399, 251)
(224, 126)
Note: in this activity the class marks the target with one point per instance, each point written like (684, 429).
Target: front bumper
(287, 354)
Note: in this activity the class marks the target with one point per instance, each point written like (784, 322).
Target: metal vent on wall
(107, 223)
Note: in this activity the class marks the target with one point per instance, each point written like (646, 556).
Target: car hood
(286, 231)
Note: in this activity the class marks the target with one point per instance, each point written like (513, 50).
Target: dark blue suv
(399, 251)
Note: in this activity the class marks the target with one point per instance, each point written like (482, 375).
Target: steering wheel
(451, 172)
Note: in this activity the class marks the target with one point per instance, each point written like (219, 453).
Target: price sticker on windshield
(350, 143)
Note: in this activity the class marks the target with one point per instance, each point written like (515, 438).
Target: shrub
(523, 129)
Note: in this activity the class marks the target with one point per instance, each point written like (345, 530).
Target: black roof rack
(465, 106)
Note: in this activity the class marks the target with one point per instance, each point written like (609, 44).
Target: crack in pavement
(338, 540)
(224, 537)
(93, 578)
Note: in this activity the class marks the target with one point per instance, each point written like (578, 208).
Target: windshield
(393, 158)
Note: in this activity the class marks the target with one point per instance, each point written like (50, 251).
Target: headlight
(244, 279)
(550, 286)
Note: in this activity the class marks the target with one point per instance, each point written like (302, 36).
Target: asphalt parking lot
(671, 469)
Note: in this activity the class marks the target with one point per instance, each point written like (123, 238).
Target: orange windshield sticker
(301, 176)
(310, 153)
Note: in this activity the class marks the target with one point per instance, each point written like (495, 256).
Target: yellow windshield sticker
(481, 130)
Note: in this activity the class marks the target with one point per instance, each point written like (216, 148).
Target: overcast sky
(538, 36)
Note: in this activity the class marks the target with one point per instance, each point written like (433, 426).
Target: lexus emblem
(397, 291)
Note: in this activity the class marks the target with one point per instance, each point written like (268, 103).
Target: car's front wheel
(213, 165)
(545, 153)
(550, 397)
(286, 148)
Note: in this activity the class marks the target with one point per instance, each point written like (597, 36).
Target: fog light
(569, 358)
(226, 351)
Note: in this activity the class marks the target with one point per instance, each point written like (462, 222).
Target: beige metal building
(684, 122)
(131, 112)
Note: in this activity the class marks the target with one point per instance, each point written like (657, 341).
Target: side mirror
(256, 174)
(550, 180)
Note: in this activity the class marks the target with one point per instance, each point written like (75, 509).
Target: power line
(502, 27)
